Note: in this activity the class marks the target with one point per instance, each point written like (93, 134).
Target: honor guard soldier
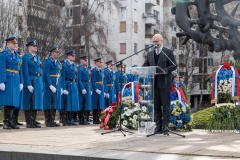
(98, 84)
(33, 85)
(118, 80)
(84, 87)
(109, 77)
(70, 89)
(175, 79)
(62, 99)
(10, 82)
(181, 82)
(16, 110)
(1, 49)
(88, 112)
(132, 77)
(52, 87)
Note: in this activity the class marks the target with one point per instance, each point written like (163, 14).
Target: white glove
(21, 87)
(53, 89)
(30, 88)
(2, 86)
(98, 91)
(115, 96)
(65, 92)
(61, 91)
(107, 95)
(91, 92)
(84, 91)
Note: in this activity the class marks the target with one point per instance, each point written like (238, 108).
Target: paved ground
(197, 144)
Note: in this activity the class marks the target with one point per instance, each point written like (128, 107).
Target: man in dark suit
(162, 84)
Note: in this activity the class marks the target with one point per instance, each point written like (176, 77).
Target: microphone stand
(121, 63)
(166, 131)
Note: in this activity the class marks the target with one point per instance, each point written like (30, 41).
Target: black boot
(47, 118)
(6, 118)
(75, 117)
(27, 117)
(95, 116)
(12, 119)
(86, 116)
(55, 123)
(34, 119)
(68, 120)
(16, 113)
(81, 118)
(1, 124)
(71, 118)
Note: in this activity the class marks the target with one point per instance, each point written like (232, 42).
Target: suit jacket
(163, 63)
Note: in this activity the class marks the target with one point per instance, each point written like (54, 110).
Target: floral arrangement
(222, 118)
(181, 118)
(109, 117)
(134, 114)
(224, 80)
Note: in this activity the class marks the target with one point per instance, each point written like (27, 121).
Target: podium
(146, 79)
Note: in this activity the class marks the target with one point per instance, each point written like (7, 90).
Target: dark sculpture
(228, 37)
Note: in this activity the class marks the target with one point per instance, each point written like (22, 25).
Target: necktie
(35, 59)
(157, 51)
(14, 56)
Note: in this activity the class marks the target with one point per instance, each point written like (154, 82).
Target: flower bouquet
(180, 119)
(223, 118)
(109, 117)
(134, 114)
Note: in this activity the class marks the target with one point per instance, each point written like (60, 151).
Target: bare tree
(8, 20)
(45, 22)
(94, 29)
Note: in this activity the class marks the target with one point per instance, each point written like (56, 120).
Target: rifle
(64, 118)
(83, 110)
(31, 108)
(51, 124)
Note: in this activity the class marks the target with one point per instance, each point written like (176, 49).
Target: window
(135, 27)
(122, 26)
(203, 65)
(20, 19)
(20, 2)
(196, 78)
(136, 5)
(210, 62)
(195, 62)
(82, 50)
(135, 47)
(156, 31)
(122, 48)
(69, 12)
(123, 5)
(181, 47)
(192, 46)
(40, 3)
(156, 13)
(182, 60)
(174, 43)
(203, 52)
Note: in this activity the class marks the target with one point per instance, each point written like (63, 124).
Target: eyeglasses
(155, 41)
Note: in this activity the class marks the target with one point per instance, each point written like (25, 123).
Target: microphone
(150, 46)
(156, 46)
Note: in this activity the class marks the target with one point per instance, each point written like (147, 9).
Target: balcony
(148, 35)
(151, 2)
(151, 19)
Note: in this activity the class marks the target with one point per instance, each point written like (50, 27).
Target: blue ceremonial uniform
(1, 49)
(70, 84)
(132, 78)
(84, 82)
(32, 76)
(98, 83)
(110, 85)
(118, 81)
(51, 74)
(10, 70)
